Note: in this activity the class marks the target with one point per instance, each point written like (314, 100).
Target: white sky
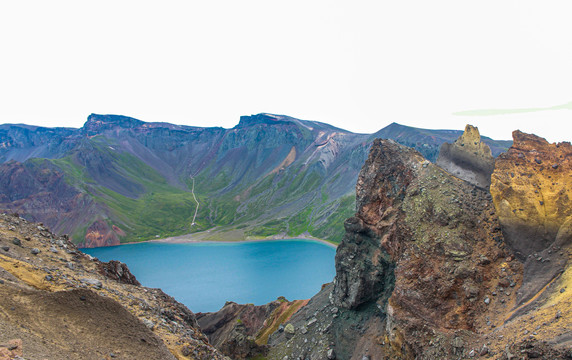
(359, 65)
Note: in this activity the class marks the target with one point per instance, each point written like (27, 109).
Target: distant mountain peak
(262, 118)
(96, 123)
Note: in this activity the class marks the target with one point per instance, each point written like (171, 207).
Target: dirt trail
(195, 197)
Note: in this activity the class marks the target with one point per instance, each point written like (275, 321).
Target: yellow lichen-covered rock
(531, 189)
(468, 158)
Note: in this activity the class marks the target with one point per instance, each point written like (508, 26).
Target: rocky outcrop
(64, 304)
(532, 191)
(117, 271)
(468, 158)
(261, 119)
(233, 328)
(241, 331)
(428, 248)
(426, 270)
(363, 272)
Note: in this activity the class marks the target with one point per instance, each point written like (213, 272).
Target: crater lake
(203, 276)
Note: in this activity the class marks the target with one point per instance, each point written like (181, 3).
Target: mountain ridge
(268, 175)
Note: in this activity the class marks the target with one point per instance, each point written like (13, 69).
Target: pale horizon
(360, 66)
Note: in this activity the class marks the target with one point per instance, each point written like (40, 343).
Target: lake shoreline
(204, 276)
(188, 239)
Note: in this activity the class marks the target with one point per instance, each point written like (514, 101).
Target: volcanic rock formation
(424, 243)
(431, 267)
(468, 158)
(427, 271)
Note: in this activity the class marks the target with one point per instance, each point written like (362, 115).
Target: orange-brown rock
(13, 350)
(532, 191)
(468, 158)
(100, 234)
(428, 250)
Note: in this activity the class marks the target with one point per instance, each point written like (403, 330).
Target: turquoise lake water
(203, 276)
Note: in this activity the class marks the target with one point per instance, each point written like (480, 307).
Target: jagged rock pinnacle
(468, 158)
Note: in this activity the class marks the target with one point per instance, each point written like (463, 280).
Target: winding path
(194, 196)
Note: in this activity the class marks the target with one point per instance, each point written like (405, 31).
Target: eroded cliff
(427, 269)
(439, 247)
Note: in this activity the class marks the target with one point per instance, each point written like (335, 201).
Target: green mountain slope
(118, 179)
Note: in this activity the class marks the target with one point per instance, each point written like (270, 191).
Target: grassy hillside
(119, 179)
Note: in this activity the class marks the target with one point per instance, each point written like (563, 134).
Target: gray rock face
(94, 282)
(149, 324)
(468, 158)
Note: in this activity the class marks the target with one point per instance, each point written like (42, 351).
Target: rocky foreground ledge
(59, 303)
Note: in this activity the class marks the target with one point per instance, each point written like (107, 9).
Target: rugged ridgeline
(59, 303)
(120, 179)
(433, 267)
(428, 142)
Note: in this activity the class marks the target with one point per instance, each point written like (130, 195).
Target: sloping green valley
(118, 179)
